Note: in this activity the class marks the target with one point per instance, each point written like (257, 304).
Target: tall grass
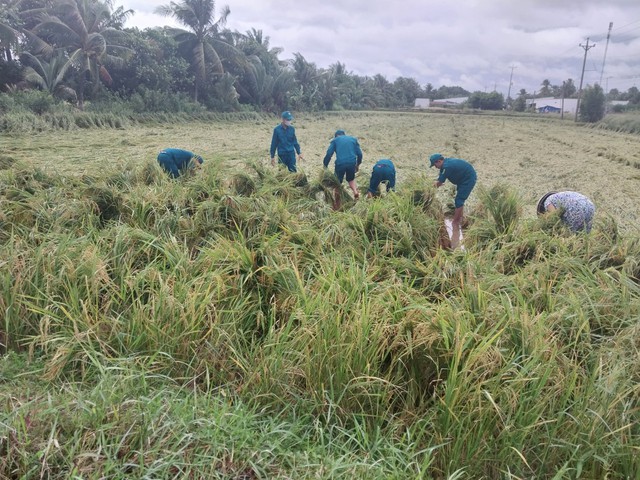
(629, 123)
(238, 327)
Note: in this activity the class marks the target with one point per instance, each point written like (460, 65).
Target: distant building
(422, 103)
(623, 103)
(449, 102)
(552, 105)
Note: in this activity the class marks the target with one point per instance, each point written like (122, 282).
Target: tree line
(79, 50)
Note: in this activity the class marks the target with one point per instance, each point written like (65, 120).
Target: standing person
(383, 171)
(462, 174)
(348, 159)
(176, 161)
(284, 141)
(576, 210)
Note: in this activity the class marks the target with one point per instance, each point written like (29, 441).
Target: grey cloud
(470, 43)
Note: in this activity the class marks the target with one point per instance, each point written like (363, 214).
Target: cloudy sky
(475, 44)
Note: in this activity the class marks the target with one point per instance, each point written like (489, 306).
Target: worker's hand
(300, 157)
(357, 167)
(273, 161)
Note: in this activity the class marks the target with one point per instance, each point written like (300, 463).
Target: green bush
(6, 103)
(592, 104)
(154, 101)
(37, 101)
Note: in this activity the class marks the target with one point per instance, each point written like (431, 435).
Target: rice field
(532, 155)
(232, 325)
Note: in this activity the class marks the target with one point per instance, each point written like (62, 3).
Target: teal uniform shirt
(462, 174)
(347, 150)
(284, 141)
(383, 171)
(174, 160)
(348, 156)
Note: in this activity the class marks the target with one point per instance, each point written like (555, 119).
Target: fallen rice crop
(234, 325)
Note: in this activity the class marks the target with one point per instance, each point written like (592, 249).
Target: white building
(421, 103)
(550, 104)
(449, 102)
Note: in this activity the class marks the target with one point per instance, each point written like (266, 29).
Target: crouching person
(176, 162)
(576, 210)
(348, 159)
(383, 172)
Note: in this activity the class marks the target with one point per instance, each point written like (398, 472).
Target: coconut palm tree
(84, 29)
(203, 42)
(49, 75)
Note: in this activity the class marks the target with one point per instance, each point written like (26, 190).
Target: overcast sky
(475, 44)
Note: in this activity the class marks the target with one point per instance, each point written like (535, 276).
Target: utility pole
(562, 107)
(584, 63)
(510, 83)
(606, 47)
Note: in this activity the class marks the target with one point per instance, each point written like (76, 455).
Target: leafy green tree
(222, 95)
(203, 43)
(8, 33)
(633, 95)
(154, 65)
(569, 88)
(613, 94)
(428, 91)
(450, 92)
(520, 103)
(83, 28)
(486, 101)
(407, 90)
(10, 73)
(592, 104)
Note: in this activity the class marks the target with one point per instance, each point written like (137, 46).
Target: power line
(618, 30)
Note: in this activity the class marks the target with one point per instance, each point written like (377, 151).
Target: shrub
(37, 101)
(592, 104)
(6, 103)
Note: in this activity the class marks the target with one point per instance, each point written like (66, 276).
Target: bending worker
(383, 171)
(348, 159)
(576, 210)
(176, 161)
(459, 172)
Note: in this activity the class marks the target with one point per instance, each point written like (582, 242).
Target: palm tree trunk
(81, 91)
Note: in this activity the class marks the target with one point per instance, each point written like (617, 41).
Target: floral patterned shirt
(576, 210)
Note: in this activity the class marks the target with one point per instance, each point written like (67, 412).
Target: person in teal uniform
(285, 143)
(383, 171)
(576, 210)
(462, 174)
(348, 158)
(176, 161)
